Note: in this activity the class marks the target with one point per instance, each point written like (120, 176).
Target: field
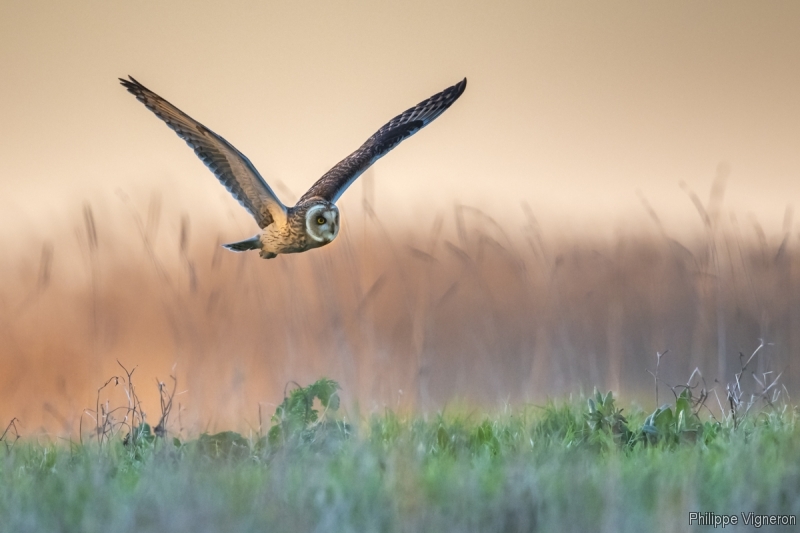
(145, 368)
(556, 468)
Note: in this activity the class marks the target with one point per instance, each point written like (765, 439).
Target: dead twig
(11, 427)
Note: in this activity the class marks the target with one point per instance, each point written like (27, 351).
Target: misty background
(617, 180)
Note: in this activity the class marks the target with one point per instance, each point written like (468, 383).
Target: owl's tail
(253, 243)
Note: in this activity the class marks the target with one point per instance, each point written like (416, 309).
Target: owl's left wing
(331, 185)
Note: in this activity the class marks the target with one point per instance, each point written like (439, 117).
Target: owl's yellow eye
(320, 220)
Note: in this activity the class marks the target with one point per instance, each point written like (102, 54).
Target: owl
(314, 220)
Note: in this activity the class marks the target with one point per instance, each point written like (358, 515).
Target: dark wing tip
(452, 93)
(445, 99)
(133, 86)
(459, 87)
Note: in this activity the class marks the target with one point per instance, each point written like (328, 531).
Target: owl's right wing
(228, 164)
(331, 185)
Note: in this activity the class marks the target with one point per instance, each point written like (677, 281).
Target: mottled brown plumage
(314, 220)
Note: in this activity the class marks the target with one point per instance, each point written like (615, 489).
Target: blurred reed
(469, 310)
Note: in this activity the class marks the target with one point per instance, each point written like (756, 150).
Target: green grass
(551, 468)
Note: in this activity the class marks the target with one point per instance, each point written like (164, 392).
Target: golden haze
(572, 107)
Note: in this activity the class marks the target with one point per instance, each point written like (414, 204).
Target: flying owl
(314, 220)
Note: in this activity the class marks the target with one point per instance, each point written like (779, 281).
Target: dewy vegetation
(578, 466)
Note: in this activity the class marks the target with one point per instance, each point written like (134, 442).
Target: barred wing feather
(331, 185)
(228, 164)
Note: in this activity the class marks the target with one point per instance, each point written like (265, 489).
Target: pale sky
(571, 106)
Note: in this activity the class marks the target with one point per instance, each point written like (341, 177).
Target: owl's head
(322, 222)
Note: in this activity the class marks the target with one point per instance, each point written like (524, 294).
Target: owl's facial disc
(322, 222)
